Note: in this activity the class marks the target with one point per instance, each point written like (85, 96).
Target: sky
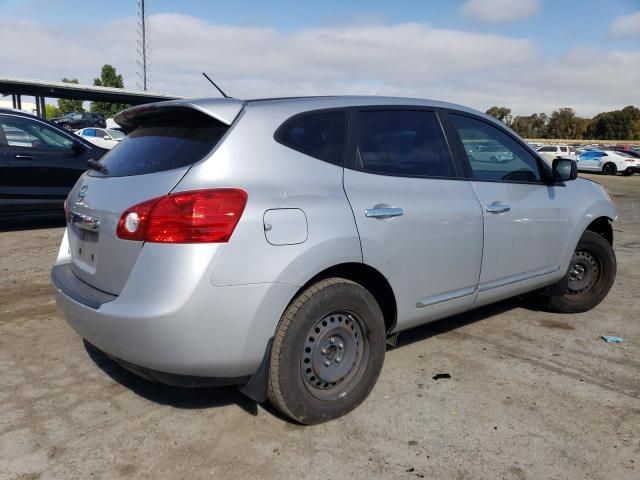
(528, 55)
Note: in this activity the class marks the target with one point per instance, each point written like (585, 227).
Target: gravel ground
(531, 394)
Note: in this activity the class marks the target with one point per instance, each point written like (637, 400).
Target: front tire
(590, 276)
(327, 352)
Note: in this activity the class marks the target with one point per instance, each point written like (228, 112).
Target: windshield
(116, 134)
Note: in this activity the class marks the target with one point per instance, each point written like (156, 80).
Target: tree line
(108, 78)
(564, 123)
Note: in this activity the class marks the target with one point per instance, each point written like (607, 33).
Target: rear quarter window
(165, 141)
(318, 134)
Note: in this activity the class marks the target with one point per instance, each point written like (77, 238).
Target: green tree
(500, 113)
(563, 123)
(51, 111)
(616, 125)
(67, 106)
(108, 78)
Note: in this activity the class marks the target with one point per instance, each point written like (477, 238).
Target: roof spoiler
(225, 110)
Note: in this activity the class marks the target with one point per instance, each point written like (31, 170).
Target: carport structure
(40, 90)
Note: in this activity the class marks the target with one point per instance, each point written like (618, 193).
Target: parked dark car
(78, 120)
(629, 151)
(39, 163)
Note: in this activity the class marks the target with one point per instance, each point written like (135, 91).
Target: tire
(609, 168)
(590, 276)
(327, 352)
(627, 173)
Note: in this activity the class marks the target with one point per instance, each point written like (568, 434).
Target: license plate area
(84, 246)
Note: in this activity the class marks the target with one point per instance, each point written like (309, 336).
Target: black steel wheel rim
(584, 272)
(334, 355)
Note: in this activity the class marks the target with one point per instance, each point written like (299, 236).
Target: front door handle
(383, 212)
(20, 155)
(498, 207)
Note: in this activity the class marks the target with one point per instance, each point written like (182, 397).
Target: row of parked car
(608, 160)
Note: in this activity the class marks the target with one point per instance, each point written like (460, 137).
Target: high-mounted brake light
(198, 216)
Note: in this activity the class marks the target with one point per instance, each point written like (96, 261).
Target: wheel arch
(371, 279)
(602, 226)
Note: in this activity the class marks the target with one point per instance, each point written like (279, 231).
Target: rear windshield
(163, 142)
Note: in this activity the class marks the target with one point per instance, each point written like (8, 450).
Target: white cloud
(474, 69)
(626, 26)
(499, 11)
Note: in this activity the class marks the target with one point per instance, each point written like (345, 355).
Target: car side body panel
(313, 187)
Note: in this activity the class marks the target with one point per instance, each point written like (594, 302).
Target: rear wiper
(96, 165)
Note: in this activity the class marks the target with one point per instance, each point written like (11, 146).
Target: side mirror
(106, 137)
(564, 169)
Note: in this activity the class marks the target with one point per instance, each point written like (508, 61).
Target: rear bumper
(174, 379)
(217, 332)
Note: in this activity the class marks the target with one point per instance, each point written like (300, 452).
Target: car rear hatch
(165, 139)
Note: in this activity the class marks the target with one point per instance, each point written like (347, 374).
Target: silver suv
(279, 244)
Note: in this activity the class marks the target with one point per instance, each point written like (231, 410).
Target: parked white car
(549, 152)
(608, 162)
(102, 137)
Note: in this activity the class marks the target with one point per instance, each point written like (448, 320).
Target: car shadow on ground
(178, 397)
(35, 222)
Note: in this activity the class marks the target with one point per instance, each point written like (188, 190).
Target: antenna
(143, 50)
(214, 84)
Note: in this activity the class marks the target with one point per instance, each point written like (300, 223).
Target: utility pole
(143, 45)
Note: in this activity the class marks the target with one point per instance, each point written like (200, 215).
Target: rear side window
(402, 143)
(319, 135)
(165, 141)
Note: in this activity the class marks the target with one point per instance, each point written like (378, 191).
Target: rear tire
(327, 352)
(609, 168)
(590, 276)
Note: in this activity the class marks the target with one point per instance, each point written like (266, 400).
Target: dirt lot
(531, 395)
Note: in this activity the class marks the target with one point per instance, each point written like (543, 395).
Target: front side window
(403, 143)
(319, 135)
(507, 160)
(24, 132)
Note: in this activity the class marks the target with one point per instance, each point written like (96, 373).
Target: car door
(103, 139)
(42, 164)
(590, 161)
(6, 196)
(527, 222)
(419, 221)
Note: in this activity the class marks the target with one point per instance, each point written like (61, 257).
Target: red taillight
(198, 216)
(630, 160)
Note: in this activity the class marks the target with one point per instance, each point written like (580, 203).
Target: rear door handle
(498, 207)
(20, 155)
(383, 212)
